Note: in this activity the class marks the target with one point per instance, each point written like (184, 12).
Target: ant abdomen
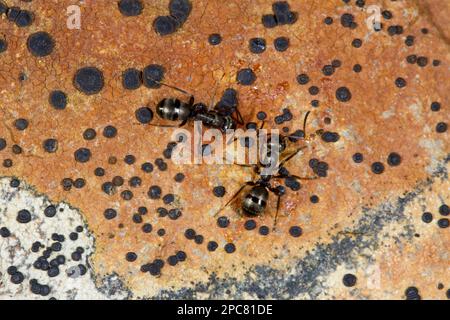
(255, 201)
(173, 109)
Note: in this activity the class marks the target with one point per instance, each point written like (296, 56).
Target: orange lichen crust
(364, 223)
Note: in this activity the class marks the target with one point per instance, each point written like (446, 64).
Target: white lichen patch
(75, 279)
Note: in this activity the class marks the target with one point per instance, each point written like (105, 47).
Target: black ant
(173, 109)
(255, 200)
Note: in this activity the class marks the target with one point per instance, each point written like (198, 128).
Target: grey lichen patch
(75, 279)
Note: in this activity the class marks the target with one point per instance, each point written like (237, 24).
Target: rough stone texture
(365, 224)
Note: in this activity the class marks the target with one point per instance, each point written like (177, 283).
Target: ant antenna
(171, 87)
(211, 105)
(304, 122)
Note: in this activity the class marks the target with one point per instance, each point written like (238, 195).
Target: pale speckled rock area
(15, 250)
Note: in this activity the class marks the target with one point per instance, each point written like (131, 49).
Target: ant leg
(304, 121)
(303, 178)
(276, 214)
(291, 156)
(182, 124)
(239, 119)
(262, 125)
(163, 125)
(277, 192)
(249, 183)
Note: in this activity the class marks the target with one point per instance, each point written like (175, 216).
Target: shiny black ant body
(173, 109)
(255, 200)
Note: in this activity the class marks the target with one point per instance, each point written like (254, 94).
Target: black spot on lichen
(89, 80)
(40, 44)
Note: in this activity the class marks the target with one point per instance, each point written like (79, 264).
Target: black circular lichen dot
(15, 183)
(257, 45)
(411, 59)
(358, 157)
(165, 25)
(168, 198)
(313, 90)
(212, 246)
(147, 228)
(82, 155)
(269, 21)
(110, 214)
(435, 106)
(131, 256)
(261, 115)
(377, 167)
(129, 159)
(349, 280)
(357, 43)
(250, 225)
(24, 18)
(336, 63)
(21, 124)
(89, 134)
(314, 199)
(295, 231)
(154, 192)
(144, 115)
(181, 256)
(400, 82)
(343, 94)
(3, 144)
(130, 8)
(214, 39)
(223, 222)
(50, 145)
(246, 77)
(40, 44)
(198, 239)
(189, 234)
(79, 183)
(328, 20)
(264, 230)
(422, 61)
(174, 214)
(16, 149)
(4, 232)
(328, 70)
(23, 216)
(443, 223)
(3, 45)
(109, 132)
(58, 99)
(230, 248)
(441, 127)
(50, 211)
(89, 80)
(427, 217)
(357, 68)
(147, 167)
(302, 79)
(131, 79)
(394, 159)
(152, 75)
(99, 172)
(180, 10)
(281, 44)
(219, 191)
(444, 210)
(179, 177)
